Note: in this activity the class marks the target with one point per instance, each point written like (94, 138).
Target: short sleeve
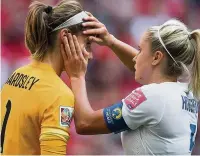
(143, 107)
(55, 125)
(59, 113)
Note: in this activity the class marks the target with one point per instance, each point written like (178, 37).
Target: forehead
(143, 40)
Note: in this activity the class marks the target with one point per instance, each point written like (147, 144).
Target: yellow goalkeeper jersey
(36, 111)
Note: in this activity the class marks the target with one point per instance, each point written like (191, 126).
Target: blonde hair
(182, 49)
(42, 19)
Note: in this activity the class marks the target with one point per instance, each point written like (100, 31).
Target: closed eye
(88, 43)
(88, 46)
(139, 49)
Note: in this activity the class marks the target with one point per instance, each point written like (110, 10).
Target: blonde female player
(36, 106)
(161, 116)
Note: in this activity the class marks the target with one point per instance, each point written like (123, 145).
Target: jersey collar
(41, 65)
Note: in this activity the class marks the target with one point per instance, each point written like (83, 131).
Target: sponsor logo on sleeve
(134, 99)
(66, 114)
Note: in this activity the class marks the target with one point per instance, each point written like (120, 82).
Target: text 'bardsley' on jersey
(22, 81)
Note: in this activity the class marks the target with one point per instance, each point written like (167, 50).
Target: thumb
(85, 54)
(95, 39)
(89, 14)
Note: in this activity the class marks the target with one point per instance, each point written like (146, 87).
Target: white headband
(76, 19)
(164, 45)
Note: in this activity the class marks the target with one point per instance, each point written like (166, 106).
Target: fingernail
(84, 32)
(83, 24)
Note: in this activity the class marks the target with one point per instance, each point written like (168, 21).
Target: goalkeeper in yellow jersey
(36, 106)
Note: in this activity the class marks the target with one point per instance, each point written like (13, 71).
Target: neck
(55, 62)
(160, 78)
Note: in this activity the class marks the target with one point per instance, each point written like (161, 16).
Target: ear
(63, 33)
(157, 57)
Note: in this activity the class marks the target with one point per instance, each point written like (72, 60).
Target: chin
(139, 80)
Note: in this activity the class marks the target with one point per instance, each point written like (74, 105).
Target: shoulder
(143, 106)
(155, 95)
(60, 93)
(164, 89)
(149, 91)
(151, 95)
(63, 89)
(54, 91)
(23, 68)
(57, 98)
(63, 92)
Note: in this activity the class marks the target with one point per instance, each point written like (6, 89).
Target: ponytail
(195, 80)
(36, 30)
(40, 22)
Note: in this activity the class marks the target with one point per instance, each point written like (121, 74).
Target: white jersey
(162, 118)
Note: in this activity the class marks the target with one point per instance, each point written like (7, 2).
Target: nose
(134, 59)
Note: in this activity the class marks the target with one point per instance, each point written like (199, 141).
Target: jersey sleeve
(55, 124)
(143, 107)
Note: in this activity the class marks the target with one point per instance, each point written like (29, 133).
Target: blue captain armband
(114, 119)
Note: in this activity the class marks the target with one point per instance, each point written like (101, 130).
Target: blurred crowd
(108, 80)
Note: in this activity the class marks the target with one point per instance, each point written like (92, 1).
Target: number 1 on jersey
(8, 109)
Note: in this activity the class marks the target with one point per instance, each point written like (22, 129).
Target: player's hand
(97, 31)
(75, 59)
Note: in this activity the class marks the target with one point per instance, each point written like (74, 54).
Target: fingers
(92, 24)
(94, 31)
(82, 55)
(71, 49)
(77, 47)
(89, 14)
(65, 49)
(71, 44)
(90, 18)
(95, 39)
(64, 55)
(85, 55)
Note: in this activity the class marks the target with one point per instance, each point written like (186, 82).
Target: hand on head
(75, 58)
(97, 31)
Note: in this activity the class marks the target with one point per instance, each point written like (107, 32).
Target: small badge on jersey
(117, 113)
(66, 114)
(134, 99)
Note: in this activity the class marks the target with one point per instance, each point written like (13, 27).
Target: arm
(87, 121)
(99, 34)
(55, 123)
(124, 52)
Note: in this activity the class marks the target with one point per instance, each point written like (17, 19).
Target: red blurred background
(108, 80)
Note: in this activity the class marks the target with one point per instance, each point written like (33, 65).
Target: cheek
(143, 69)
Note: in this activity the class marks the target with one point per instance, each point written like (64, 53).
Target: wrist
(73, 78)
(111, 42)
